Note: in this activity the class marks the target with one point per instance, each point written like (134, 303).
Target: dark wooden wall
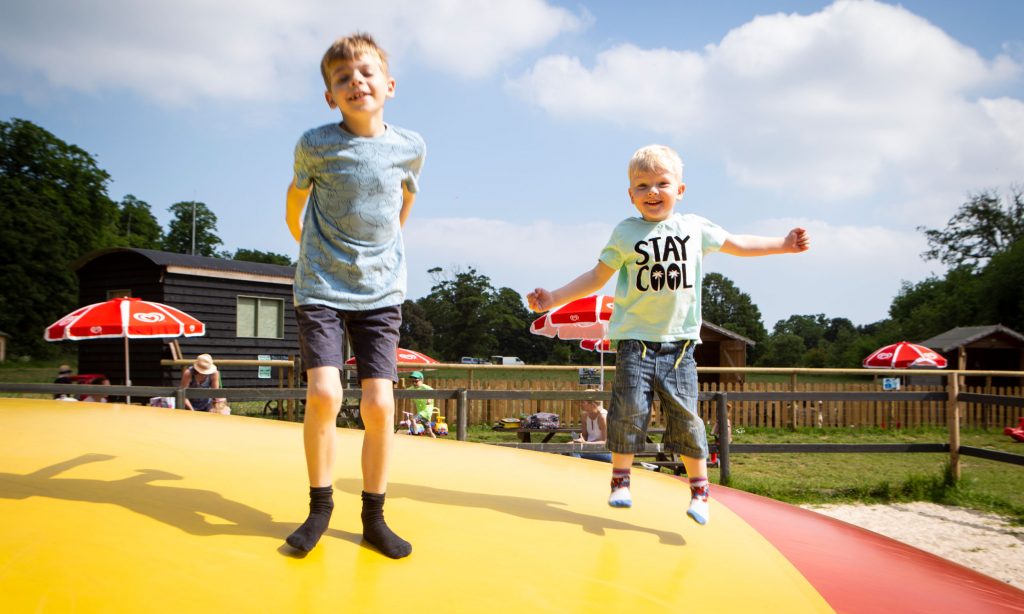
(212, 300)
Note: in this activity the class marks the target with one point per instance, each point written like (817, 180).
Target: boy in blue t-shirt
(657, 317)
(359, 179)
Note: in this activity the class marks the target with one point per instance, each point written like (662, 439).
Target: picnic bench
(658, 457)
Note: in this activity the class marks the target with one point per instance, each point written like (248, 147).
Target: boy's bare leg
(378, 412)
(323, 401)
(621, 466)
(697, 471)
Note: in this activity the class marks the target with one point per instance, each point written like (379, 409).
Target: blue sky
(859, 120)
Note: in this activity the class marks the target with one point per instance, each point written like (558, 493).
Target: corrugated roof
(728, 333)
(966, 335)
(198, 263)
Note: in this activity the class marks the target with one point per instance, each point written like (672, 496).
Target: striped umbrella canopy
(584, 318)
(904, 355)
(125, 318)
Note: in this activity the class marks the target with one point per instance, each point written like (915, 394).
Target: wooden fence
(896, 413)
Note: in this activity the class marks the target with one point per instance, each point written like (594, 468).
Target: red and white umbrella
(585, 318)
(904, 355)
(127, 318)
(598, 345)
(406, 356)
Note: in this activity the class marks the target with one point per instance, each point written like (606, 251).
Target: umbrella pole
(600, 351)
(127, 369)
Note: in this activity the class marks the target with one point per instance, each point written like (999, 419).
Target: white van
(506, 360)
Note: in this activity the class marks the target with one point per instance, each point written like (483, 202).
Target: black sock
(376, 531)
(321, 504)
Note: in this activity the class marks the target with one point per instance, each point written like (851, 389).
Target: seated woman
(595, 430)
(202, 374)
(95, 397)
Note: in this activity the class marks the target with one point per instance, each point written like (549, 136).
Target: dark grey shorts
(373, 335)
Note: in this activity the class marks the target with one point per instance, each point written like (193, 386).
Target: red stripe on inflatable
(857, 570)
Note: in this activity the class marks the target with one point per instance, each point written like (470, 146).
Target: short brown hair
(348, 48)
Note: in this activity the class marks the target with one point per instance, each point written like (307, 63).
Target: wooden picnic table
(666, 460)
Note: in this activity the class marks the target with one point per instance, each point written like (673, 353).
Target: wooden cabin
(982, 348)
(246, 307)
(720, 347)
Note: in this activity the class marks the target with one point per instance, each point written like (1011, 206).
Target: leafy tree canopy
(179, 231)
(724, 304)
(984, 226)
(55, 209)
(255, 255)
(136, 226)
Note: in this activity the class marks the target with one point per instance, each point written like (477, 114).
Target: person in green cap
(424, 407)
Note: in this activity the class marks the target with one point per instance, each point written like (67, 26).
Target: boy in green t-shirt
(424, 407)
(657, 319)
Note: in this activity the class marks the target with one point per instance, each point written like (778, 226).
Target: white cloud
(830, 105)
(850, 271)
(238, 50)
(521, 256)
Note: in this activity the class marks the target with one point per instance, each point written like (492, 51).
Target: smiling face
(359, 87)
(655, 192)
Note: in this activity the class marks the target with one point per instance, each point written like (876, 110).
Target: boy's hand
(797, 240)
(540, 300)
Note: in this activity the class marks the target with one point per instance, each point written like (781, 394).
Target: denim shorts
(643, 368)
(373, 335)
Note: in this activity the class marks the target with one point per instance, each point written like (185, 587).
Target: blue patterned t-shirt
(352, 256)
(660, 264)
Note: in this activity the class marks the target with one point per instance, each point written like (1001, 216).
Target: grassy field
(807, 478)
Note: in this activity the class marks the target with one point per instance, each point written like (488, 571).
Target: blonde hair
(349, 48)
(656, 158)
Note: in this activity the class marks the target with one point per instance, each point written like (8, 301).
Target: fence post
(462, 411)
(179, 398)
(953, 409)
(723, 438)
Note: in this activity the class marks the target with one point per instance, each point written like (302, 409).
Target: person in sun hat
(424, 407)
(202, 373)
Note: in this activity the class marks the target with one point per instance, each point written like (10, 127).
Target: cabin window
(260, 317)
(111, 294)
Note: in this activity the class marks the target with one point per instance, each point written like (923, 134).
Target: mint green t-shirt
(657, 296)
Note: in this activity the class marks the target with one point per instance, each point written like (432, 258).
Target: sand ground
(984, 542)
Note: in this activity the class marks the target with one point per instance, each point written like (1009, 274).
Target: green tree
(255, 255)
(724, 304)
(417, 333)
(1002, 286)
(179, 232)
(984, 226)
(782, 350)
(55, 209)
(935, 305)
(810, 328)
(136, 226)
(457, 307)
(510, 324)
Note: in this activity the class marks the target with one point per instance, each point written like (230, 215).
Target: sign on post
(264, 372)
(890, 383)
(590, 377)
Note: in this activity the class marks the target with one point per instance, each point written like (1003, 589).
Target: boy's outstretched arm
(294, 205)
(584, 285)
(408, 198)
(752, 245)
